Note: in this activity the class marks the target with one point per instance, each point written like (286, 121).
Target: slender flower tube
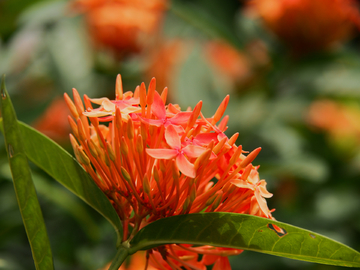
(154, 161)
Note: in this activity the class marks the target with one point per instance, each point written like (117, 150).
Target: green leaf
(69, 203)
(60, 165)
(65, 169)
(24, 187)
(248, 233)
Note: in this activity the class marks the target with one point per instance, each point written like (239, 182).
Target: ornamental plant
(171, 182)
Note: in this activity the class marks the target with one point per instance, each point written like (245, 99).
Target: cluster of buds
(154, 161)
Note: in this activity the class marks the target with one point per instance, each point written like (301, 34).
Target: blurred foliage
(201, 50)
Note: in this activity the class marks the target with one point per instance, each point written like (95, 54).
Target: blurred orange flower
(234, 67)
(56, 128)
(308, 25)
(164, 59)
(227, 60)
(340, 121)
(122, 25)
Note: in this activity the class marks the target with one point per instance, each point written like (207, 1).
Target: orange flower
(308, 25)
(340, 121)
(164, 59)
(122, 25)
(227, 60)
(155, 161)
(234, 68)
(56, 128)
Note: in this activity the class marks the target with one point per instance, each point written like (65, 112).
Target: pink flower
(178, 152)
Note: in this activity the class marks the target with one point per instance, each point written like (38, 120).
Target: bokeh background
(291, 67)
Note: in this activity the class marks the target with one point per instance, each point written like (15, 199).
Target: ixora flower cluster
(154, 161)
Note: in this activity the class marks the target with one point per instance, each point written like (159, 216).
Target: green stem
(120, 257)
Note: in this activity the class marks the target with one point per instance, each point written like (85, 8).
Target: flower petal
(108, 105)
(162, 153)
(158, 107)
(96, 113)
(98, 101)
(185, 166)
(242, 184)
(222, 263)
(205, 138)
(172, 137)
(180, 118)
(152, 122)
(262, 203)
(193, 151)
(263, 191)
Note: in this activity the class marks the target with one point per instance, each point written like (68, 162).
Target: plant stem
(120, 257)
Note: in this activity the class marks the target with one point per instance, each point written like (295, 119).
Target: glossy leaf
(60, 165)
(248, 233)
(24, 187)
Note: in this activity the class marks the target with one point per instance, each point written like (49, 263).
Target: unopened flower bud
(156, 175)
(217, 200)
(130, 129)
(100, 141)
(106, 160)
(71, 106)
(118, 118)
(235, 156)
(139, 144)
(81, 130)
(250, 158)
(125, 174)
(186, 205)
(146, 184)
(82, 157)
(110, 152)
(73, 126)
(192, 193)
(124, 147)
(204, 157)
(246, 172)
(87, 103)
(73, 142)
(233, 138)
(94, 151)
(118, 88)
(78, 102)
(210, 200)
(219, 146)
(220, 111)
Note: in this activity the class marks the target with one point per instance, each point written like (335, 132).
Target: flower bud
(250, 158)
(125, 174)
(146, 184)
(110, 152)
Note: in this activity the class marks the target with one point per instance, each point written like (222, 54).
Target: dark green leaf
(24, 187)
(60, 165)
(69, 203)
(248, 233)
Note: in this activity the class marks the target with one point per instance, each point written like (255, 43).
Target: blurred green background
(292, 69)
